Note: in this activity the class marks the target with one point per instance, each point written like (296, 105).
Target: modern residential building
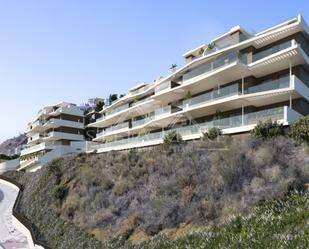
(57, 130)
(231, 83)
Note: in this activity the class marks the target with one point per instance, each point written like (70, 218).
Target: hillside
(112, 200)
(9, 145)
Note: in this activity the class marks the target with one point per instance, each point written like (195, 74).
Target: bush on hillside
(211, 134)
(59, 192)
(300, 130)
(267, 129)
(172, 137)
(121, 187)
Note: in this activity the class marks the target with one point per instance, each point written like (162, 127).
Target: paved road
(10, 237)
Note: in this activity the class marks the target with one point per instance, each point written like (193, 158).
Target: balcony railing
(63, 122)
(122, 108)
(140, 122)
(164, 86)
(206, 68)
(34, 148)
(114, 128)
(140, 90)
(139, 102)
(272, 50)
(211, 96)
(116, 110)
(132, 93)
(276, 113)
(270, 85)
(163, 111)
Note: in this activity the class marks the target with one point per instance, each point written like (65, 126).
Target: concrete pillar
(290, 100)
(242, 114)
(290, 74)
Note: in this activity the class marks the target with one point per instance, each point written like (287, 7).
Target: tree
(267, 129)
(112, 97)
(211, 134)
(300, 130)
(172, 137)
(99, 105)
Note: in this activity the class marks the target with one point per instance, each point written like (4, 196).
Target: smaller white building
(57, 130)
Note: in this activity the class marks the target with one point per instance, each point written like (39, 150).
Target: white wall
(20, 227)
(9, 165)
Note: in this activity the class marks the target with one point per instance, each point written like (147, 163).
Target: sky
(55, 50)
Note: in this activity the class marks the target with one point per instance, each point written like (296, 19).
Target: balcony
(35, 148)
(112, 129)
(227, 68)
(163, 111)
(34, 126)
(279, 57)
(54, 122)
(140, 122)
(140, 90)
(140, 102)
(56, 135)
(270, 85)
(163, 87)
(216, 64)
(273, 50)
(211, 96)
(118, 109)
(34, 138)
(231, 124)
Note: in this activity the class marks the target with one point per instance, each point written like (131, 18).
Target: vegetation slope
(215, 194)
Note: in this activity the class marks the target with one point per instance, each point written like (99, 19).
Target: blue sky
(74, 50)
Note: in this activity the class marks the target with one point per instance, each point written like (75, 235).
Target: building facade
(232, 83)
(57, 130)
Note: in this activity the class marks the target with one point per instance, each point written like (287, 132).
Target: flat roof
(231, 31)
(138, 86)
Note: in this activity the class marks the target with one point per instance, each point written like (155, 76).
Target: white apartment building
(231, 83)
(57, 130)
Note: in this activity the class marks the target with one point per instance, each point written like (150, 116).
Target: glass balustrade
(270, 85)
(272, 50)
(140, 122)
(140, 90)
(35, 124)
(206, 68)
(211, 96)
(118, 109)
(117, 127)
(140, 101)
(114, 128)
(276, 113)
(226, 91)
(163, 111)
(163, 86)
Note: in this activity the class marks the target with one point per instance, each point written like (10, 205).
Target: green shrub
(107, 183)
(99, 105)
(54, 168)
(267, 129)
(172, 137)
(300, 130)
(211, 134)
(59, 192)
(121, 187)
